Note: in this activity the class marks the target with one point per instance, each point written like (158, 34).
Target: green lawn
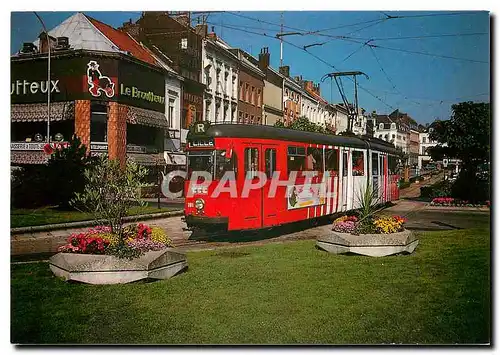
(47, 215)
(287, 293)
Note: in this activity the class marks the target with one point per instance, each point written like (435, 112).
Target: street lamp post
(48, 77)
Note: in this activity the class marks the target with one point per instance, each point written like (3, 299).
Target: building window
(259, 93)
(98, 122)
(423, 139)
(381, 126)
(171, 106)
(233, 87)
(380, 136)
(217, 111)
(240, 116)
(252, 119)
(393, 125)
(184, 43)
(247, 92)
(394, 136)
(246, 117)
(252, 98)
(404, 138)
(226, 75)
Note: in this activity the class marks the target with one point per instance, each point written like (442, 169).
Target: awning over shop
(145, 117)
(59, 111)
(146, 159)
(28, 157)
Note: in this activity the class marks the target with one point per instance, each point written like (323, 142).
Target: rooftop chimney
(264, 58)
(285, 70)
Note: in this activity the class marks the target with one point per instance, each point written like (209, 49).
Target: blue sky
(424, 86)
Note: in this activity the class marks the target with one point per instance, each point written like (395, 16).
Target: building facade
(172, 38)
(220, 76)
(273, 90)
(250, 89)
(292, 97)
(116, 103)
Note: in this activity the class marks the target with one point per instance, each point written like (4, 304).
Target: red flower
(47, 149)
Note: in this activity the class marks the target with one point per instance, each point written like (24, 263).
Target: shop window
(251, 162)
(270, 162)
(314, 159)
(358, 163)
(296, 159)
(98, 122)
(332, 161)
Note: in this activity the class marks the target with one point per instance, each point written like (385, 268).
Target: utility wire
(388, 78)
(426, 36)
(428, 54)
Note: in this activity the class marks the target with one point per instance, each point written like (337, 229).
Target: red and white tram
(333, 169)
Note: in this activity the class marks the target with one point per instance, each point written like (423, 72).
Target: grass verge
(287, 293)
(50, 215)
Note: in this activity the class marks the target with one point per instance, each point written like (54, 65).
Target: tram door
(346, 181)
(270, 204)
(376, 174)
(251, 198)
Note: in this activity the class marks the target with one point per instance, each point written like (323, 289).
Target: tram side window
(374, 164)
(332, 161)
(251, 162)
(314, 159)
(393, 164)
(344, 164)
(270, 162)
(358, 163)
(296, 159)
(225, 165)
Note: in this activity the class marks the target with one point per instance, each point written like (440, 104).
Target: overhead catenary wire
(315, 56)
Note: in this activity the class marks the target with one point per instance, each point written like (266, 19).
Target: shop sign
(135, 93)
(26, 146)
(99, 84)
(36, 146)
(99, 146)
(135, 149)
(28, 87)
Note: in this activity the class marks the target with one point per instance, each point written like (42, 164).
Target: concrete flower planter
(108, 269)
(369, 244)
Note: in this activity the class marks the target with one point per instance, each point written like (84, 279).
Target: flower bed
(137, 239)
(99, 256)
(453, 202)
(371, 236)
(381, 225)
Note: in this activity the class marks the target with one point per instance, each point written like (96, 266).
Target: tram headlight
(199, 204)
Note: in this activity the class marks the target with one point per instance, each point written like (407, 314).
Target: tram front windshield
(200, 161)
(214, 162)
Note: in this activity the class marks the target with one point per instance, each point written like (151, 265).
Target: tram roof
(287, 134)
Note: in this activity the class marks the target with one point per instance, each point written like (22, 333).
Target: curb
(457, 209)
(52, 227)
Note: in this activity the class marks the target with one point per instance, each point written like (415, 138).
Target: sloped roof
(85, 32)
(124, 42)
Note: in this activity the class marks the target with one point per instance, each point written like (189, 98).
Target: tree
(110, 191)
(465, 136)
(53, 183)
(303, 124)
(66, 171)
